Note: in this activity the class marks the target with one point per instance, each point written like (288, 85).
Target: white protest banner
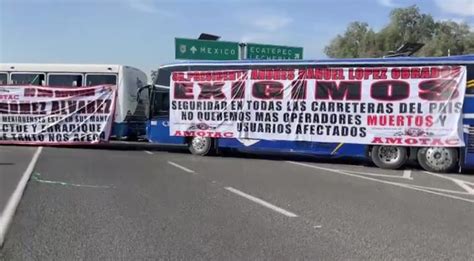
(409, 106)
(46, 115)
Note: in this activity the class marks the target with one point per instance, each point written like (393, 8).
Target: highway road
(103, 204)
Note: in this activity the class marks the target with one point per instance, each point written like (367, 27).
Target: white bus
(130, 113)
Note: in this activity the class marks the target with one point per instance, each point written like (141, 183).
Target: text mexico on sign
(46, 115)
(412, 106)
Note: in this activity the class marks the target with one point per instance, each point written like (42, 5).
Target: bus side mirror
(140, 90)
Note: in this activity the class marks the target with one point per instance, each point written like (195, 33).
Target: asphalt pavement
(102, 204)
(13, 163)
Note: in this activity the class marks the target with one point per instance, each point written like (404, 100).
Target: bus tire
(389, 157)
(201, 146)
(438, 159)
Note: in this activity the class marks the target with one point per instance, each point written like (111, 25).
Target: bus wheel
(389, 157)
(438, 159)
(200, 145)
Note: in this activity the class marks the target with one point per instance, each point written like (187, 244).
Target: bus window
(163, 77)
(470, 80)
(99, 79)
(65, 80)
(470, 88)
(3, 78)
(27, 78)
(161, 104)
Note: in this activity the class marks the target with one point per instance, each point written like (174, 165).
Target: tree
(357, 41)
(153, 75)
(450, 38)
(406, 25)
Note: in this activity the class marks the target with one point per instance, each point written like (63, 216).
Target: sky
(141, 33)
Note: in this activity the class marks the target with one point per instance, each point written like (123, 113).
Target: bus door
(158, 130)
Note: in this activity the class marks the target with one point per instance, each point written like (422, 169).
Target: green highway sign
(191, 49)
(273, 52)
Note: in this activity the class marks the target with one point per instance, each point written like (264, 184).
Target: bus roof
(458, 59)
(56, 67)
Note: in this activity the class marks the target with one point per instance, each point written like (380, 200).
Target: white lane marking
(378, 175)
(181, 167)
(148, 152)
(442, 190)
(261, 202)
(461, 183)
(464, 186)
(467, 182)
(407, 174)
(446, 177)
(382, 181)
(7, 215)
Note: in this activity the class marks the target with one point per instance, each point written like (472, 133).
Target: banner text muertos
(408, 106)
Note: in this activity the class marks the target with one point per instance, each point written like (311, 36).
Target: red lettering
(29, 92)
(25, 108)
(9, 97)
(390, 90)
(436, 142)
(268, 90)
(183, 90)
(273, 74)
(415, 141)
(400, 120)
(390, 140)
(45, 93)
(372, 120)
(228, 134)
(424, 141)
(425, 72)
(452, 142)
(429, 121)
(188, 133)
(395, 73)
(438, 90)
(405, 73)
(178, 76)
(415, 73)
(377, 140)
(211, 90)
(345, 90)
